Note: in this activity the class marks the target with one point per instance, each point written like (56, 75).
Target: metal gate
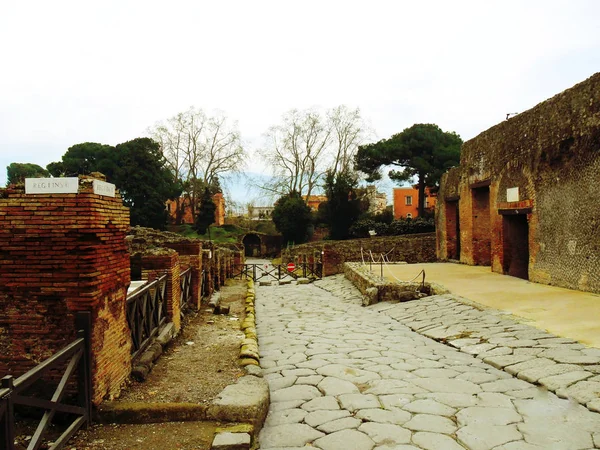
(277, 272)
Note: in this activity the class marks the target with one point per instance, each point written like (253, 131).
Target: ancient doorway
(452, 230)
(482, 243)
(515, 233)
(252, 245)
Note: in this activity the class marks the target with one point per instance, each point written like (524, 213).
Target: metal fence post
(83, 322)
(7, 421)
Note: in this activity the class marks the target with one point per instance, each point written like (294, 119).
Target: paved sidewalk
(346, 377)
(564, 312)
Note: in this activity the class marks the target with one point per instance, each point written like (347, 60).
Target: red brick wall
(59, 254)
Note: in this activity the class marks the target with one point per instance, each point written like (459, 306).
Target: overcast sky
(104, 71)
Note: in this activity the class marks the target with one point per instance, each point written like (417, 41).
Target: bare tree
(307, 144)
(199, 149)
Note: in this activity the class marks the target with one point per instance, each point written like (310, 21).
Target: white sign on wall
(104, 188)
(512, 194)
(51, 185)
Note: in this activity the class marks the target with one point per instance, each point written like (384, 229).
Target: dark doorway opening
(252, 245)
(452, 230)
(482, 243)
(515, 232)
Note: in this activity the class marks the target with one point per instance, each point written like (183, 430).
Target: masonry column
(157, 262)
(190, 255)
(62, 247)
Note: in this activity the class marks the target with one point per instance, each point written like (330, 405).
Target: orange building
(406, 202)
(314, 201)
(187, 212)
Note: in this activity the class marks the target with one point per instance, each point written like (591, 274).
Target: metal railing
(76, 356)
(185, 284)
(146, 313)
(257, 272)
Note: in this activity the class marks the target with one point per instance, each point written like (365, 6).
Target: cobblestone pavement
(351, 378)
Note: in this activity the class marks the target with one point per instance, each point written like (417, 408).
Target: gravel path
(351, 378)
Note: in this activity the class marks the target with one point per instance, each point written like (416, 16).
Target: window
(408, 200)
(426, 202)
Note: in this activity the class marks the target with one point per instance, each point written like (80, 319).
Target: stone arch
(252, 245)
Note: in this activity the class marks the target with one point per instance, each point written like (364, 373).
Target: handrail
(77, 353)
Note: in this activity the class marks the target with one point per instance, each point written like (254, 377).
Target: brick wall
(551, 153)
(59, 254)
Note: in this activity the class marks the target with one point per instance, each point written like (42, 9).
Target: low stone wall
(410, 248)
(377, 290)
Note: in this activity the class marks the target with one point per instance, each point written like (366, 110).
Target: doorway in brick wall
(452, 230)
(482, 243)
(515, 236)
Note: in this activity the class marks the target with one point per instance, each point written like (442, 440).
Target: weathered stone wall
(59, 254)
(376, 289)
(551, 153)
(412, 248)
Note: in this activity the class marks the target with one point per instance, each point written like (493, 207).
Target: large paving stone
(336, 386)
(345, 423)
(294, 415)
(447, 386)
(487, 415)
(395, 416)
(316, 418)
(281, 382)
(555, 382)
(353, 402)
(551, 435)
(302, 392)
(453, 400)
(347, 373)
(435, 441)
(486, 437)
(502, 361)
(534, 374)
(345, 440)
(529, 364)
(429, 406)
(386, 433)
(429, 422)
(288, 435)
(385, 387)
(509, 384)
(327, 402)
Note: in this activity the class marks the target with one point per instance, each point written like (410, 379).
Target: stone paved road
(349, 378)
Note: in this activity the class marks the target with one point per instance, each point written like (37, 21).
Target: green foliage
(292, 217)
(401, 226)
(223, 234)
(136, 167)
(342, 207)
(17, 172)
(83, 159)
(423, 150)
(206, 212)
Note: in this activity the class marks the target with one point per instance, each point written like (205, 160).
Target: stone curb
(249, 356)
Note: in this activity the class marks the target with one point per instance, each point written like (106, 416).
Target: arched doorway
(252, 245)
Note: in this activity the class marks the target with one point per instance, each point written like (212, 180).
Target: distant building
(313, 201)
(260, 212)
(377, 200)
(187, 217)
(406, 202)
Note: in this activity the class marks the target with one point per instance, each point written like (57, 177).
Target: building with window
(406, 202)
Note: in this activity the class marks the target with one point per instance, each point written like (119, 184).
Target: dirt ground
(202, 360)
(194, 368)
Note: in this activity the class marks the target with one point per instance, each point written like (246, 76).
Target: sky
(105, 71)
